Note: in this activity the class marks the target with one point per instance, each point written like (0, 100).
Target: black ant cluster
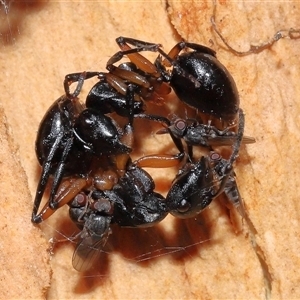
(85, 153)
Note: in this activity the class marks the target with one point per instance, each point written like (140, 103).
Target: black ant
(70, 136)
(197, 77)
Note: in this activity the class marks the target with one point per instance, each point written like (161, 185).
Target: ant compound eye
(184, 206)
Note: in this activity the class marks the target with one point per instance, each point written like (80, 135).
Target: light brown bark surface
(201, 258)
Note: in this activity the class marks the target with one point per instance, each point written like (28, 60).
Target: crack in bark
(261, 258)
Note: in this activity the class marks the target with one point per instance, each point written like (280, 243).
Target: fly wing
(88, 251)
(228, 140)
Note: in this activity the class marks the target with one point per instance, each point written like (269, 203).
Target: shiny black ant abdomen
(200, 80)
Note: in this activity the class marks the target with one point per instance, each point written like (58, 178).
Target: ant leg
(159, 161)
(44, 179)
(115, 73)
(174, 52)
(66, 192)
(130, 76)
(166, 122)
(123, 41)
(127, 138)
(170, 58)
(77, 77)
(140, 61)
(190, 153)
(58, 175)
(130, 103)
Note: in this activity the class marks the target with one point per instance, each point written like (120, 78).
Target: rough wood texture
(42, 42)
(25, 270)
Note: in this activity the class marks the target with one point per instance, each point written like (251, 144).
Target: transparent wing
(88, 251)
(232, 192)
(228, 140)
